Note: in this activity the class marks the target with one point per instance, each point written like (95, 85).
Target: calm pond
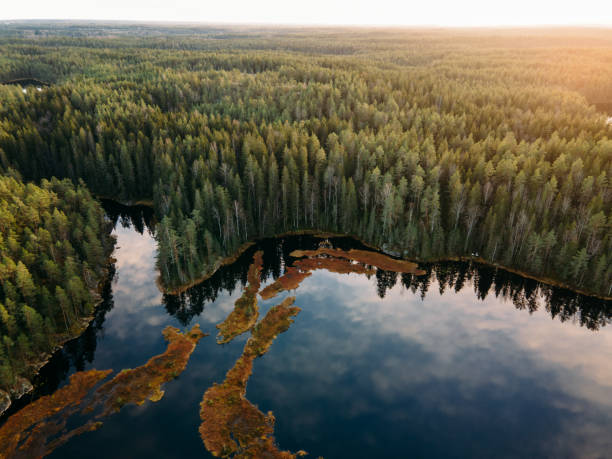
(464, 361)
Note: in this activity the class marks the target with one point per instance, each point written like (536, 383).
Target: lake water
(465, 361)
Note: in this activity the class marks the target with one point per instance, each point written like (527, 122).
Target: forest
(488, 145)
(54, 250)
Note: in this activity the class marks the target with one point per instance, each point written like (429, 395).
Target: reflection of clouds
(461, 320)
(437, 369)
(136, 271)
(134, 249)
(216, 311)
(135, 289)
(450, 359)
(156, 321)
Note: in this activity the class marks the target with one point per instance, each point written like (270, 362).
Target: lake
(462, 361)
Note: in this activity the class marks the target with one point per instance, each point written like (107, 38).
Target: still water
(464, 361)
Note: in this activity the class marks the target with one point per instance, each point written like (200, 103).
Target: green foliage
(42, 251)
(429, 143)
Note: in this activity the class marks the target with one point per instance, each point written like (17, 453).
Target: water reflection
(138, 217)
(79, 352)
(525, 293)
(44, 425)
(448, 376)
(378, 364)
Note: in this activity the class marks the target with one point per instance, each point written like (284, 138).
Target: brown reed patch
(246, 311)
(366, 257)
(291, 279)
(231, 425)
(39, 428)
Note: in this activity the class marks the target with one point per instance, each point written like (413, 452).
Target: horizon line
(181, 22)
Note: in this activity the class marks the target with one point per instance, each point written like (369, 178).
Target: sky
(325, 12)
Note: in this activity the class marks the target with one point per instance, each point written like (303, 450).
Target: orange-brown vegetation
(231, 425)
(301, 269)
(245, 312)
(324, 235)
(142, 383)
(26, 432)
(335, 265)
(291, 279)
(39, 428)
(367, 257)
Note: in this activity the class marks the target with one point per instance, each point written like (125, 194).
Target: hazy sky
(384, 12)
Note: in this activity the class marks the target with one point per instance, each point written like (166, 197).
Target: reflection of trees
(228, 278)
(525, 293)
(139, 217)
(384, 281)
(191, 303)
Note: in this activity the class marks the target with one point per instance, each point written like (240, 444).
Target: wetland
(319, 346)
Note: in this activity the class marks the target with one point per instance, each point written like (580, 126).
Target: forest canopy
(54, 249)
(429, 144)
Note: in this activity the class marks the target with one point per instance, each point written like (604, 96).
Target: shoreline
(243, 248)
(84, 322)
(218, 264)
(82, 325)
(541, 279)
(323, 234)
(327, 234)
(137, 202)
